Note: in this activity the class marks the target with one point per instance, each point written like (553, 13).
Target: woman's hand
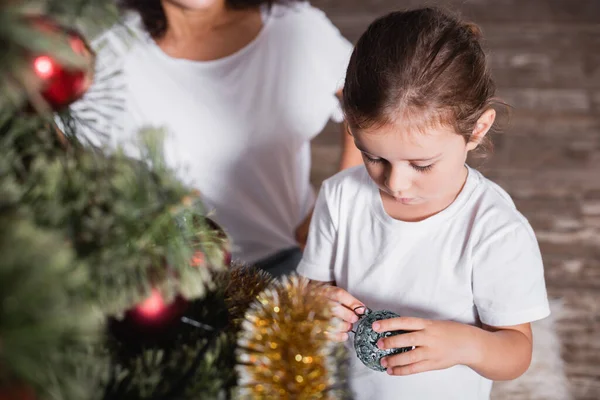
(345, 307)
(438, 344)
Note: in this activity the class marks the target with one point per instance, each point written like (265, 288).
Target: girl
(241, 87)
(418, 232)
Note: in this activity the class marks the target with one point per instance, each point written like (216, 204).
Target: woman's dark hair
(422, 64)
(155, 21)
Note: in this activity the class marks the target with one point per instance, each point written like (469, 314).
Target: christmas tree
(114, 281)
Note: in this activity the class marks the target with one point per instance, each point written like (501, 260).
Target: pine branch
(43, 316)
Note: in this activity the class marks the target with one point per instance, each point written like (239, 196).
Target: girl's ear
(482, 127)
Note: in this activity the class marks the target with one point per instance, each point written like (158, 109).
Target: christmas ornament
(365, 339)
(62, 85)
(192, 354)
(253, 280)
(153, 307)
(154, 312)
(283, 351)
(154, 321)
(150, 321)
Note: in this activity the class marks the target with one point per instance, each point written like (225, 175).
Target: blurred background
(545, 58)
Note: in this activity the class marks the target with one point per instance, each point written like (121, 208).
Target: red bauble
(152, 307)
(149, 323)
(155, 312)
(61, 86)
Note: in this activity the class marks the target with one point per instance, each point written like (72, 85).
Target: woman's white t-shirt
(238, 128)
(477, 261)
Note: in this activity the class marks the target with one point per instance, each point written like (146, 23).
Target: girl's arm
(502, 353)
(496, 353)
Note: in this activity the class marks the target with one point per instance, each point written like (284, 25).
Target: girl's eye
(373, 160)
(425, 168)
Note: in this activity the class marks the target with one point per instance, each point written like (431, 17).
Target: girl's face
(418, 173)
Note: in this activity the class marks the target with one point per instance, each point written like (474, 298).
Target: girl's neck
(208, 34)
(423, 211)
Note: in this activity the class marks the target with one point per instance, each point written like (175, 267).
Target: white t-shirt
(476, 261)
(238, 127)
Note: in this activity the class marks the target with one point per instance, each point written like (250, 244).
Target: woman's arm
(351, 157)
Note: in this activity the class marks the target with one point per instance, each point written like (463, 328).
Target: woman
(241, 88)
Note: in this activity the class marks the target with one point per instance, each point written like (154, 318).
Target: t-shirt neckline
(220, 62)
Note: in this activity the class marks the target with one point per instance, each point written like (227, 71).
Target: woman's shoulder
(100, 112)
(117, 43)
(299, 20)
(302, 34)
(296, 11)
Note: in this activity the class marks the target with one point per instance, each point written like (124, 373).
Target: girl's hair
(423, 66)
(155, 21)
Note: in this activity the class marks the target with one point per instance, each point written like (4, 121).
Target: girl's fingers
(337, 336)
(416, 338)
(340, 326)
(343, 297)
(411, 369)
(400, 324)
(414, 356)
(344, 313)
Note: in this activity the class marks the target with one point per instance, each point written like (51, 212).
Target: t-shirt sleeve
(318, 258)
(508, 278)
(98, 115)
(332, 52)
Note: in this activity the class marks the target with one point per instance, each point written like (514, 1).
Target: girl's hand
(438, 344)
(345, 307)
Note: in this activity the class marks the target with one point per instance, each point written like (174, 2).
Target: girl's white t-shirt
(477, 261)
(238, 128)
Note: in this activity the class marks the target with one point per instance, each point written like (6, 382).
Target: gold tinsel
(242, 288)
(283, 351)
